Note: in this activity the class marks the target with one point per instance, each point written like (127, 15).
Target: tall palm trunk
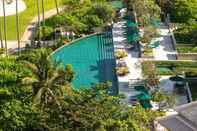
(5, 29)
(17, 27)
(38, 9)
(1, 35)
(43, 21)
(56, 5)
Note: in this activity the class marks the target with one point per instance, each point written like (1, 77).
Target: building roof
(184, 120)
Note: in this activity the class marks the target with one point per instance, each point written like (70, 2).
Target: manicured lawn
(26, 16)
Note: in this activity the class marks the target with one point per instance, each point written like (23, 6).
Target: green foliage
(183, 10)
(45, 32)
(48, 85)
(187, 49)
(174, 67)
(93, 109)
(145, 7)
(161, 98)
(92, 22)
(11, 71)
(2, 50)
(102, 10)
(187, 33)
(82, 16)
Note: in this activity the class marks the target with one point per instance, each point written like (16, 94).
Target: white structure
(10, 7)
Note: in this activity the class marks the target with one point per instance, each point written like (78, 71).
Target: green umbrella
(129, 17)
(146, 105)
(131, 32)
(134, 37)
(131, 24)
(154, 45)
(143, 96)
(139, 88)
(176, 78)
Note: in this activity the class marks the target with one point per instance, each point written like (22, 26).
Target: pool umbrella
(139, 88)
(131, 24)
(134, 37)
(131, 32)
(143, 96)
(176, 78)
(128, 17)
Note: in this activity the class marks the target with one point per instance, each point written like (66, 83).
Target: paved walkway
(165, 51)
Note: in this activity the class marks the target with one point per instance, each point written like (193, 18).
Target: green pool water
(92, 59)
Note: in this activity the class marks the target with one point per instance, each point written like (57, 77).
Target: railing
(188, 92)
(168, 22)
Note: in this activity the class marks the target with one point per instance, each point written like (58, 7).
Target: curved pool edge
(73, 42)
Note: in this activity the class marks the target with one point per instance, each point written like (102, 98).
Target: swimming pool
(93, 60)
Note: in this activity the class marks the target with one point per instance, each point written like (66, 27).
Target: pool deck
(132, 60)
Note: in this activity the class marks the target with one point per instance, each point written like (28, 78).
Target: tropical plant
(48, 80)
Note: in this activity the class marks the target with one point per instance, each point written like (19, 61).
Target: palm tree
(5, 29)
(43, 20)
(48, 79)
(1, 35)
(56, 5)
(17, 26)
(38, 11)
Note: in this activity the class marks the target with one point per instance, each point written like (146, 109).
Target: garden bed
(186, 49)
(174, 67)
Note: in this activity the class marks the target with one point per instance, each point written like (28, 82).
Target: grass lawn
(26, 16)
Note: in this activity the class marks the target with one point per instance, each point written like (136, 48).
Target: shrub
(46, 33)
(187, 49)
(103, 11)
(174, 67)
(121, 54)
(122, 71)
